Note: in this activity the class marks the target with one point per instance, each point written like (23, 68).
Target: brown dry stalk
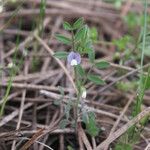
(122, 130)
(84, 137)
(11, 135)
(32, 140)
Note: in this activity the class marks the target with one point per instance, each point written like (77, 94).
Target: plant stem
(141, 89)
(73, 44)
(78, 89)
(144, 34)
(88, 74)
(78, 100)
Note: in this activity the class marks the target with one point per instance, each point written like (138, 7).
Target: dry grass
(29, 113)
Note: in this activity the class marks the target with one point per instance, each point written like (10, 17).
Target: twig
(33, 139)
(25, 138)
(84, 138)
(13, 115)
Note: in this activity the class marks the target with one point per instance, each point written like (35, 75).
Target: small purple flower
(74, 58)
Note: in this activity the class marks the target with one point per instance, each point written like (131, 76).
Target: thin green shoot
(42, 13)
(141, 88)
(13, 72)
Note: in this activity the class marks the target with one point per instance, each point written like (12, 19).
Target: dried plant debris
(74, 74)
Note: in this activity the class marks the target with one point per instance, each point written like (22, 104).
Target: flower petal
(74, 58)
(74, 62)
(78, 58)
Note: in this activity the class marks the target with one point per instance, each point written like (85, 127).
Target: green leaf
(87, 48)
(95, 79)
(123, 146)
(67, 26)
(67, 110)
(57, 102)
(91, 55)
(147, 46)
(63, 39)
(78, 23)
(61, 55)
(81, 34)
(132, 19)
(80, 70)
(85, 117)
(91, 127)
(146, 82)
(122, 42)
(102, 64)
(79, 84)
(63, 123)
(118, 3)
(69, 147)
(126, 86)
(93, 34)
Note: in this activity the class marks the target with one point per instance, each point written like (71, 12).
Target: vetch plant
(80, 42)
